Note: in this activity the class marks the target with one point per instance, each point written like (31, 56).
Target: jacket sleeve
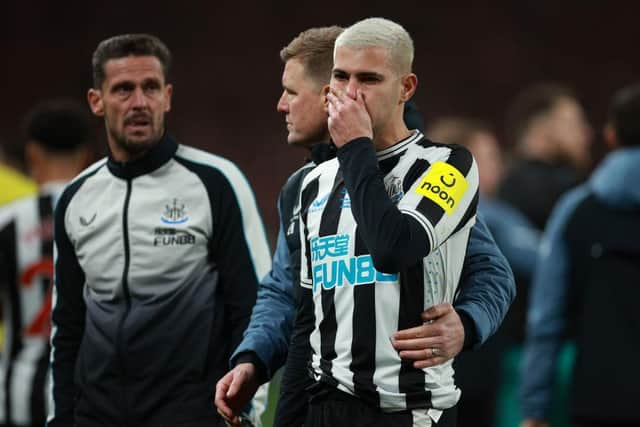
(516, 237)
(487, 286)
(296, 379)
(232, 255)
(399, 236)
(272, 318)
(68, 320)
(293, 402)
(547, 313)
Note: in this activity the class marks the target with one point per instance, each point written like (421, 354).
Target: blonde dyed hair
(383, 33)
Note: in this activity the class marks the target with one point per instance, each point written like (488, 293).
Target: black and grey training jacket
(155, 278)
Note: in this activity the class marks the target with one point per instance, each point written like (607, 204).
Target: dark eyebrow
(151, 80)
(122, 85)
(369, 75)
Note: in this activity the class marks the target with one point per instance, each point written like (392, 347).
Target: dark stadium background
(471, 58)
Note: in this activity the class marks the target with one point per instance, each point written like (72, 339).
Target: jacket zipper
(127, 298)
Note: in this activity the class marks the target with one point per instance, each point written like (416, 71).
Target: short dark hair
(624, 114)
(128, 45)
(314, 49)
(532, 103)
(58, 125)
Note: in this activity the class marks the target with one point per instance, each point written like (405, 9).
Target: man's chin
(296, 140)
(137, 144)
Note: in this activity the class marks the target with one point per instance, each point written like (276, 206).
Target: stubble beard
(136, 147)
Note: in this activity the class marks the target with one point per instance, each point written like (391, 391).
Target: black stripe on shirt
(328, 325)
(387, 165)
(363, 346)
(308, 195)
(414, 173)
(431, 210)
(411, 380)
(470, 212)
(460, 158)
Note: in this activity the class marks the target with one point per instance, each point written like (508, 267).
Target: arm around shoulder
(487, 285)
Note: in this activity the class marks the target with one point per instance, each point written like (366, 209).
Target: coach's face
(302, 103)
(133, 100)
(384, 90)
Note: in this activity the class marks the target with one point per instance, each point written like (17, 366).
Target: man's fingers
(436, 311)
(221, 389)
(220, 400)
(424, 354)
(422, 331)
(427, 363)
(333, 99)
(361, 100)
(236, 384)
(417, 343)
(224, 409)
(229, 421)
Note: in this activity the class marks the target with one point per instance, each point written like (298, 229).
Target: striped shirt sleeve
(399, 236)
(445, 196)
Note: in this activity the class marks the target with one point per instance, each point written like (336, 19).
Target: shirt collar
(157, 156)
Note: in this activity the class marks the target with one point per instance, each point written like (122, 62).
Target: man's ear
(94, 97)
(168, 93)
(409, 84)
(323, 96)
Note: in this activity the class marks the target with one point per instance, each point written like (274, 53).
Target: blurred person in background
(552, 139)
(586, 287)
(552, 153)
(486, 288)
(57, 149)
(479, 372)
(13, 184)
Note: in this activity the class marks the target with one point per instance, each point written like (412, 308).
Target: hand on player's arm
(437, 340)
(234, 391)
(348, 117)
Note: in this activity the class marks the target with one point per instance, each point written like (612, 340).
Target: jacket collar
(157, 156)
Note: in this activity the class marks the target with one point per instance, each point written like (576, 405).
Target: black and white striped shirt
(383, 238)
(26, 273)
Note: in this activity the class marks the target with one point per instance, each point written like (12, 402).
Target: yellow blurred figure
(14, 185)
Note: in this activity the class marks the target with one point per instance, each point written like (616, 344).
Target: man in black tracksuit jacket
(154, 279)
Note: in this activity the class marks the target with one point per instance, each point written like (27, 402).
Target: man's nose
(352, 88)
(139, 100)
(283, 105)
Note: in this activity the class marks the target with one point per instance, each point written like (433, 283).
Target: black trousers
(333, 408)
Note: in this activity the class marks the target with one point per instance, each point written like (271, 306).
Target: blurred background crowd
(526, 86)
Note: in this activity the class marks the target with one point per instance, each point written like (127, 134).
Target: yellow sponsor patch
(444, 184)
